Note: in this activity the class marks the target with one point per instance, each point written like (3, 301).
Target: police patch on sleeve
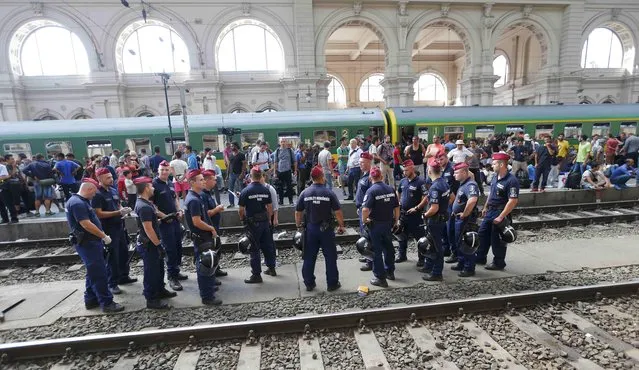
(365, 198)
(513, 192)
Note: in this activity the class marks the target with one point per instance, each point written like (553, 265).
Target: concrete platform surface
(46, 227)
(65, 298)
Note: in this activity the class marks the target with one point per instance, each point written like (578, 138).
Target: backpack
(524, 180)
(573, 180)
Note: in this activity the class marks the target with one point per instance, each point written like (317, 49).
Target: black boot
(254, 279)
(156, 304)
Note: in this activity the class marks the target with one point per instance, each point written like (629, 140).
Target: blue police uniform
(319, 203)
(411, 193)
(211, 204)
(151, 256)
(501, 190)
(254, 198)
(439, 193)
(448, 174)
(107, 200)
(468, 189)
(195, 206)
(381, 200)
(91, 251)
(363, 184)
(170, 230)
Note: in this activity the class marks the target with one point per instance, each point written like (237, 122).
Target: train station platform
(56, 226)
(65, 299)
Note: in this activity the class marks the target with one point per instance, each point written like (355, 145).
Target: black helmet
(244, 245)
(426, 246)
(469, 243)
(508, 234)
(209, 262)
(398, 232)
(298, 240)
(364, 247)
(217, 243)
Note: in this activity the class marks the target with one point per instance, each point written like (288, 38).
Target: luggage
(573, 180)
(524, 181)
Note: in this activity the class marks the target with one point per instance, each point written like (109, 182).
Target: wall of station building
(542, 41)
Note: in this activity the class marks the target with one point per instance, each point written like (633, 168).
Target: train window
(572, 130)
(515, 128)
(601, 129)
(292, 137)
(484, 131)
(453, 132)
(134, 145)
(55, 147)
(17, 148)
(422, 133)
(322, 136)
(628, 128)
(543, 130)
(215, 142)
(101, 147)
(178, 143)
(250, 138)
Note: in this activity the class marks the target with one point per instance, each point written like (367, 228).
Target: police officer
(202, 232)
(464, 213)
(319, 202)
(167, 204)
(448, 173)
(363, 184)
(106, 203)
(256, 210)
(503, 198)
(150, 247)
(437, 216)
(214, 209)
(381, 214)
(412, 193)
(89, 240)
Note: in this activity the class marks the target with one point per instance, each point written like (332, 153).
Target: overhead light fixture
(308, 94)
(125, 3)
(144, 14)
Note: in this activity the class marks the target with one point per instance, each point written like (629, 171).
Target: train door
(406, 134)
(376, 131)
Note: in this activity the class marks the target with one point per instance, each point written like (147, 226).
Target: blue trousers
(448, 234)
(206, 284)
(97, 289)
(620, 181)
(579, 166)
(384, 253)
(466, 261)
(437, 230)
(234, 181)
(153, 270)
(171, 235)
(316, 240)
(361, 231)
(541, 170)
(264, 238)
(353, 176)
(412, 229)
(489, 237)
(118, 257)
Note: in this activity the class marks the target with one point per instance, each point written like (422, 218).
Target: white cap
(459, 142)
(526, 137)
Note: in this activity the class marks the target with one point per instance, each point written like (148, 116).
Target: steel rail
(300, 324)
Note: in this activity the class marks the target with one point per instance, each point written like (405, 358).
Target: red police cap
(192, 174)
(460, 166)
(366, 155)
(206, 173)
(101, 171)
(440, 153)
(142, 180)
(375, 172)
(408, 163)
(501, 156)
(164, 164)
(433, 162)
(90, 181)
(317, 171)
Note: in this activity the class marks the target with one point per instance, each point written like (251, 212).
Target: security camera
(187, 91)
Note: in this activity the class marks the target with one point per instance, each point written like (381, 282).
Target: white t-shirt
(372, 149)
(209, 163)
(130, 186)
(261, 157)
(324, 160)
(274, 201)
(353, 157)
(180, 167)
(459, 155)
(3, 170)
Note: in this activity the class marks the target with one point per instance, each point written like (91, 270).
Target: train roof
(516, 114)
(103, 127)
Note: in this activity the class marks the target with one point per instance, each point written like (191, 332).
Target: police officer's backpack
(524, 180)
(573, 180)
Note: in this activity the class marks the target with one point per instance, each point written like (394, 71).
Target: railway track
(439, 335)
(58, 252)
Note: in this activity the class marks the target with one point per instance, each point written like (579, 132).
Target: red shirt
(121, 187)
(611, 146)
(397, 156)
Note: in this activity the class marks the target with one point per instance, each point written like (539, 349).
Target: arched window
(145, 114)
(336, 91)
(151, 47)
(500, 68)
(249, 45)
(47, 118)
(45, 48)
(237, 110)
(430, 87)
(371, 90)
(82, 116)
(267, 110)
(602, 49)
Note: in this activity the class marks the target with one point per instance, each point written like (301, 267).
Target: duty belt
(258, 217)
(499, 208)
